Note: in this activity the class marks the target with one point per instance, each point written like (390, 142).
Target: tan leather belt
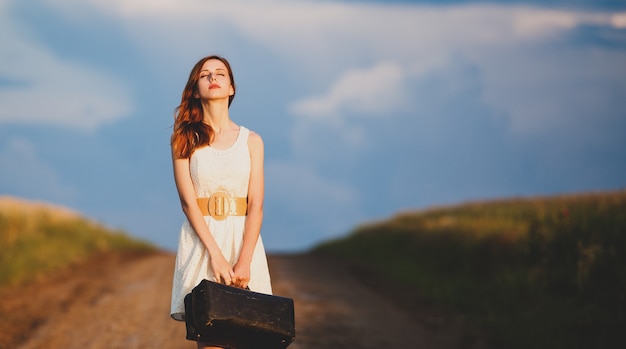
(220, 205)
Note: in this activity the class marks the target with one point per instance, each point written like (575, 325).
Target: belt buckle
(219, 205)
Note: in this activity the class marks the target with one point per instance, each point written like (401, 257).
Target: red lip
(212, 86)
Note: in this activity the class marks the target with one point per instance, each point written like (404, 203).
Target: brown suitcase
(231, 317)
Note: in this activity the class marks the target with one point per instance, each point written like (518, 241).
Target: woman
(218, 170)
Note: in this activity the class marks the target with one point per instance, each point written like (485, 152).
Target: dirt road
(122, 301)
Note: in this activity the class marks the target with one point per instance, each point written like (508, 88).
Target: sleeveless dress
(217, 170)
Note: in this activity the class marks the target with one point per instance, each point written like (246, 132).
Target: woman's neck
(216, 115)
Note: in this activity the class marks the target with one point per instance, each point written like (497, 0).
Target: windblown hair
(190, 132)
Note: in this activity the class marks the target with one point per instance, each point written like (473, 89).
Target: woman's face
(214, 82)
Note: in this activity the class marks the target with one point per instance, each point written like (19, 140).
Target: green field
(37, 238)
(547, 272)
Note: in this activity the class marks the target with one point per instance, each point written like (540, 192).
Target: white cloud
(41, 88)
(538, 86)
(618, 20)
(376, 91)
(328, 44)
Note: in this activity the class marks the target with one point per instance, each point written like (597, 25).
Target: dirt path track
(122, 301)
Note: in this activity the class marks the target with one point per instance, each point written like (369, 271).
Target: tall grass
(36, 238)
(535, 273)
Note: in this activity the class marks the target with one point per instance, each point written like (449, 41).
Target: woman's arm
(254, 219)
(221, 268)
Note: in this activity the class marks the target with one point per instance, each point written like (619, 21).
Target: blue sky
(367, 108)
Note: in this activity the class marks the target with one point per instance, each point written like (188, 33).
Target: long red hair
(190, 132)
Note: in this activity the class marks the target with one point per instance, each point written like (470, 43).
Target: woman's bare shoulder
(254, 139)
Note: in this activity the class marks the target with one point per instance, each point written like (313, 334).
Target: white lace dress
(217, 170)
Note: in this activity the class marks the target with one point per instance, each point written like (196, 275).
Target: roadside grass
(36, 238)
(544, 272)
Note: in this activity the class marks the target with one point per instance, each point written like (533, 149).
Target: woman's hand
(222, 270)
(241, 275)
